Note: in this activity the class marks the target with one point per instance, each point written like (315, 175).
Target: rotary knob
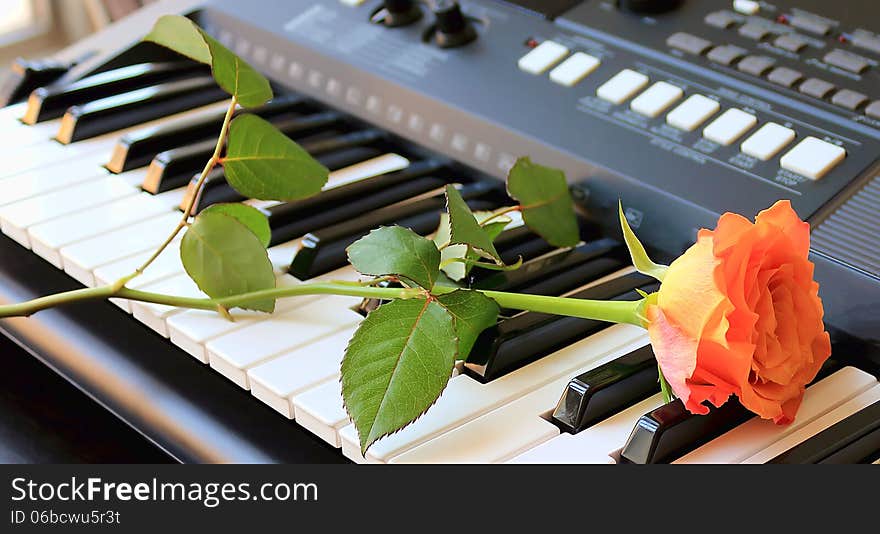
(649, 7)
(452, 27)
(397, 13)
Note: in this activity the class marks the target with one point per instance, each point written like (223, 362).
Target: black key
(324, 250)
(217, 189)
(294, 219)
(137, 149)
(671, 431)
(51, 102)
(27, 75)
(853, 440)
(136, 107)
(527, 336)
(606, 390)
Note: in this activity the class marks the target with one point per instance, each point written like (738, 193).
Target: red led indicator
(532, 43)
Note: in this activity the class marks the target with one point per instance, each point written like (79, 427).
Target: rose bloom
(739, 314)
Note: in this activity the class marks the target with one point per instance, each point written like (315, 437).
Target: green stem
(610, 311)
(668, 395)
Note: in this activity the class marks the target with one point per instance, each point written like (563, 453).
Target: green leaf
(249, 216)
(181, 35)
(225, 258)
(464, 228)
(637, 252)
(263, 163)
(232, 73)
(458, 270)
(398, 251)
(546, 202)
(396, 366)
(473, 312)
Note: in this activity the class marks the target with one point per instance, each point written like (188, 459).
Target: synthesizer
(682, 110)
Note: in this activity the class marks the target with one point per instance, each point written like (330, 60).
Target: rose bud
(739, 314)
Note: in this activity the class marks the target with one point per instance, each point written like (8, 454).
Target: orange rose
(739, 313)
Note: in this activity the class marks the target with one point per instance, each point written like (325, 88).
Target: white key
(465, 399)
(495, 437)
(193, 329)
(154, 315)
(350, 444)
(377, 166)
(233, 354)
(47, 238)
(81, 259)
(813, 158)
(656, 99)
(767, 141)
(166, 265)
(294, 372)
(757, 434)
(623, 86)
(692, 112)
(593, 445)
(22, 135)
(59, 177)
(320, 411)
(542, 57)
(574, 69)
(729, 126)
(16, 218)
(848, 408)
(10, 116)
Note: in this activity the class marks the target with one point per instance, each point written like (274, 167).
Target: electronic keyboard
(680, 109)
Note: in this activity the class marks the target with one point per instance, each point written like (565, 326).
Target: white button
(574, 69)
(768, 141)
(544, 56)
(692, 112)
(622, 86)
(813, 158)
(727, 128)
(746, 7)
(352, 3)
(657, 98)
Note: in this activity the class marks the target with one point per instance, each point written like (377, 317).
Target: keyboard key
(866, 40)
(542, 57)
(753, 30)
(606, 390)
(756, 65)
(656, 99)
(747, 7)
(848, 99)
(784, 76)
(136, 107)
(767, 141)
(873, 110)
(726, 55)
(813, 158)
(791, 42)
(574, 69)
(154, 315)
(692, 112)
(320, 410)
(816, 88)
(847, 60)
(688, 43)
(729, 126)
(623, 86)
(720, 19)
(810, 23)
(756, 434)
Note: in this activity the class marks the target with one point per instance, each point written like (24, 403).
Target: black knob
(649, 7)
(400, 13)
(452, 27)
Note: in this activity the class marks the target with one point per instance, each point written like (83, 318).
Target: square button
(767, 141)
(692, 112)
(784, 76)
(848, 99)
(726, 54)
(622, 86)
(542, 57)
(754, 31)
(791, 42)
(813, 158)
(816, 88)
(657, 98)
(729, 127)
(574, 69)
(756, 65)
